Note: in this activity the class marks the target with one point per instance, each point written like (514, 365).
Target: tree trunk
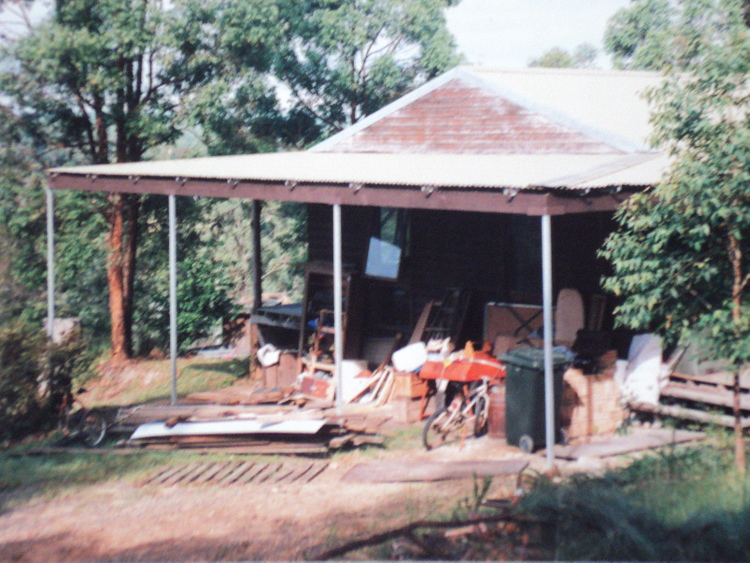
(738, 286)
(132, 209)
(116, 215)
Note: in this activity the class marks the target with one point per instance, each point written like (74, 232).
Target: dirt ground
(120, 520)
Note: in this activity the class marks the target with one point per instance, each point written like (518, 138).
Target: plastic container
(524, 397)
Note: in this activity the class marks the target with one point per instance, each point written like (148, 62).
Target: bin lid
(531, 358)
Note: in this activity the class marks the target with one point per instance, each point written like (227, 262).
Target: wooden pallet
(226, 473)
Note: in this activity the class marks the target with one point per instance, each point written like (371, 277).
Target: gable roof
(513, 111)
(530, 141)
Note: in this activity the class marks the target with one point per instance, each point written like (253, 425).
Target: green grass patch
(680, 504)
(404, 438)
(150, 380)
(26, 476)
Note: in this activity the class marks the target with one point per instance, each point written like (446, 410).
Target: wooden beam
(535, 202)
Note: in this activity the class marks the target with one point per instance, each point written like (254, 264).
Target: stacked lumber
(283, 430)
(707, 398)
(378, 388)
(239, 397)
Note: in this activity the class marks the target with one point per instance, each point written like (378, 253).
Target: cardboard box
(408, 385)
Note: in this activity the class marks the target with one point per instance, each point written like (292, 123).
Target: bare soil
(120, 520)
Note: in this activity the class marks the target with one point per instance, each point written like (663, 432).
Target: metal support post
(173, 295)
(50, 264)
(549, 384)
(338, 342)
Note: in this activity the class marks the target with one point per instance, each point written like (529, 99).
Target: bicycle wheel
(434, 432)
(481, 413)
(92, 429)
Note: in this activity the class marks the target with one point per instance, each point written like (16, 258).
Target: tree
(650, 34)
(681, 254)
(637, 36)
(108, 80)
(344, 59)
(584, 56)
(89, 81)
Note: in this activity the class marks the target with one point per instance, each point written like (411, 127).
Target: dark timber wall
(495, 257)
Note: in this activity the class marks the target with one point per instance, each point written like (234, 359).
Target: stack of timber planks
(707, 398)
(246, 430)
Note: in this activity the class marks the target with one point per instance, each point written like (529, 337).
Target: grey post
(50, 264)
(338, 341)
(173, 295)
(549, 387)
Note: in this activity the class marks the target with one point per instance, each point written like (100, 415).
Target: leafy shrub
(680, 505)
(20, 351)
(35, 376)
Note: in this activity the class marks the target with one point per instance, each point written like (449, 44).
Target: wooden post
(257, 257)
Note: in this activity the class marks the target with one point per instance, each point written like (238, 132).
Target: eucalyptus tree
(681, 254)
(347, 58)
(105, 81)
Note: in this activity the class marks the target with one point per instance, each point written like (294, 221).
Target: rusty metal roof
(482, 110)
(544, 134)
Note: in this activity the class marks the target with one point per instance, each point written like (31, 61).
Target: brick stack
(591, 404)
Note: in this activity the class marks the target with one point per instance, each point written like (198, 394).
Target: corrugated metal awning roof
(524, 172)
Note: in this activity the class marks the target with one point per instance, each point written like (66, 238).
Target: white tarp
(643, 375)
(226, 427)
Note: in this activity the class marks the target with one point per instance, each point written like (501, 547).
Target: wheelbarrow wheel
(481, 410)
(526, 443)
(442, 427)
(92, 429)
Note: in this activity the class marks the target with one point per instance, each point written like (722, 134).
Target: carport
(532, 185)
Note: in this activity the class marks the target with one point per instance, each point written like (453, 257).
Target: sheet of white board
(226, 427)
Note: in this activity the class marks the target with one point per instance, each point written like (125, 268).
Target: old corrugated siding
(459, 118)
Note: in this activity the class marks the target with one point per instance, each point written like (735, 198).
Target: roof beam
(535, 202)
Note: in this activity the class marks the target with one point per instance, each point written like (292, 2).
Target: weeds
(680, 504)
(471, 505)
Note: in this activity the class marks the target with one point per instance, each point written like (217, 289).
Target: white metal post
(338, 338)
(549, 384)
(173, 295)
(50, 264)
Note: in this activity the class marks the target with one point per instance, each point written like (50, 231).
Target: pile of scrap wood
(239, 429)
(234, 396)
(377, 387)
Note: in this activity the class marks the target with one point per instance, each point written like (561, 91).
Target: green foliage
(637, 37)
(224, 50)
(283, 245)
(20, 372)
(35, 376)
(471, 506)
(203, 286)
(584, 56)
(346, 59)
(678, 505)
(680, 255)
(662, 35)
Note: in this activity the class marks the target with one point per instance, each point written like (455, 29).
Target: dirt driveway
(122, 520)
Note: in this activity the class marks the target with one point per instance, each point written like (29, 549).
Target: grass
(404, 438)
(679, 504)
(146, 381)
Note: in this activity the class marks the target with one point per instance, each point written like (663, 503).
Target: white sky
(511, 33)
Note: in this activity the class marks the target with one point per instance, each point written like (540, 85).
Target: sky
(511, 33)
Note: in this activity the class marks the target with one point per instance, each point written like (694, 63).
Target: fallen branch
(320, 553)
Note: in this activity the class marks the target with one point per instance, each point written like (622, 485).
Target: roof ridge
(549, 70)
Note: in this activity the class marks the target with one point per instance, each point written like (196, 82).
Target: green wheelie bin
(524, 397)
